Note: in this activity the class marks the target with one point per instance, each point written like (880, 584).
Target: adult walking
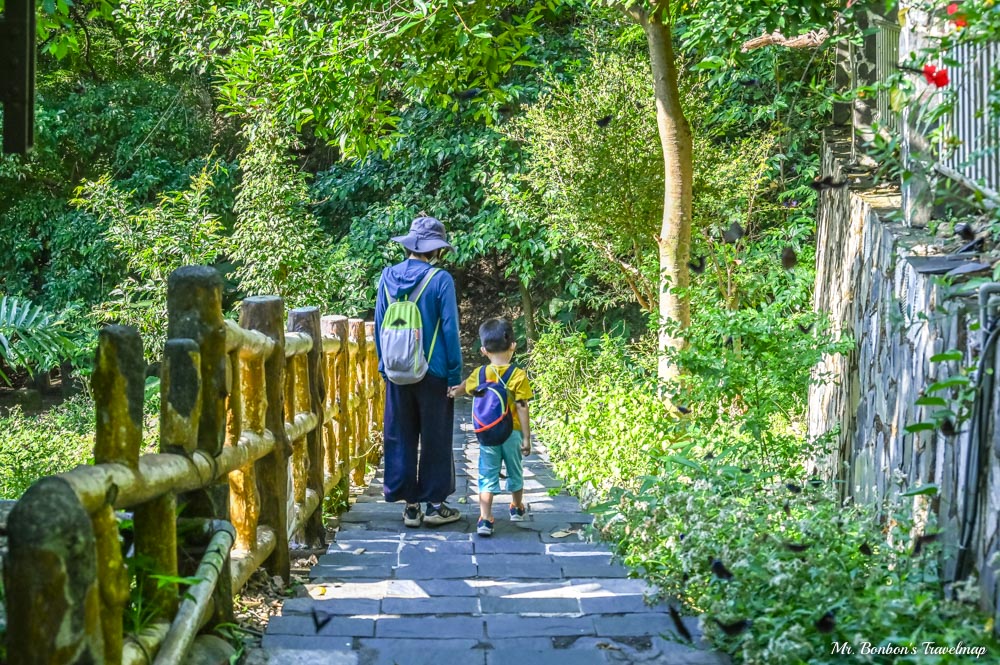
(419, 415)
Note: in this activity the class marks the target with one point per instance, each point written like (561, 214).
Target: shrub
(42, 445)
(598, 410)
(806, 570)
(33, 446)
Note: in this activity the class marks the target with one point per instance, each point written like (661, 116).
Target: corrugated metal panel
(886, 64)
(973, 139)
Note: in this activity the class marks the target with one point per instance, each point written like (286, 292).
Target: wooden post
(336, 326)
(371, 381)
(300, 452)
(156, 520)
(194, 304)
(244, 502)
(194, 310)
(50, 580)
(307, 320)
(359, 358)
(267, 315)
(119, 386)
(180, 396)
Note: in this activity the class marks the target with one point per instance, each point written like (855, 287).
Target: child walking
(498, 344)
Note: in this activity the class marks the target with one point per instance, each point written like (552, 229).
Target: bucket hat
(426, 234)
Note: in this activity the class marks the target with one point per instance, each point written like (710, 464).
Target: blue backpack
(492, 419)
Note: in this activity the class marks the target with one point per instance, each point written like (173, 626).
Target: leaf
(563, 533)
(711, 62)
(919, 427)
(951, 382)
(360, 550)
(931, 401)
(946, 356)
(929, 488)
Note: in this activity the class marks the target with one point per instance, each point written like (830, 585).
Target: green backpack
(401, 337)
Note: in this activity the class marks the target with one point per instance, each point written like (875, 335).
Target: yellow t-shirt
(518, 387)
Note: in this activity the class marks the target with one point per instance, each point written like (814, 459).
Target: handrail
(243, 405)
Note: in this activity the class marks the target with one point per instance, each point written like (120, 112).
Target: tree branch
(808, 40)
(634, 10)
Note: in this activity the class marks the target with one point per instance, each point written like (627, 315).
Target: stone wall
(868, 283)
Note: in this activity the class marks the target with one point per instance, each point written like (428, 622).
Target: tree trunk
(678, 171)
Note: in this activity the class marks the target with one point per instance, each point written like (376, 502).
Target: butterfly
(819, 184)
(793, 488)
(797, 547)
(965, 231)
(788, 258)
(734, 628)
(826, 623)
(923, 540)
(720, 570)
(679, 625)
(319, 622)
(865, 549)
(605, 121)
(699, 267)
(733, 233)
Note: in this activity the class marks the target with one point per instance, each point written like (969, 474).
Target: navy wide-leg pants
(419, 463)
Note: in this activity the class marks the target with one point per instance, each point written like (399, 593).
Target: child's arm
(522, 415)
(457, 391)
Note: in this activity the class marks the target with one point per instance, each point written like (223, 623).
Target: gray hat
(426, 234)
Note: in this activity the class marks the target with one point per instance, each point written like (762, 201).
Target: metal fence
(886, 64)
(973, 136)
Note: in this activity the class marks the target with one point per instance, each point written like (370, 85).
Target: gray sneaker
(412, 516)
(440, 515)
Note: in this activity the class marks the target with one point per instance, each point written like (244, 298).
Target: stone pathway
(535, 593)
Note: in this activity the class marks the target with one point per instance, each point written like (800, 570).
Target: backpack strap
(482, 375)
(425, 281)
(421, 285)
(506, 375)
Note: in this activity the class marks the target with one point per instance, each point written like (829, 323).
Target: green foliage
(147, 136)
(598, 412)
(343, 69)
(577, 135)
(794, 557)
(31, 338)
(34, 446)
(180, 230)
(276, 240)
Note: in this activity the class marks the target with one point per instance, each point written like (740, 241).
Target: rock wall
(868, 283)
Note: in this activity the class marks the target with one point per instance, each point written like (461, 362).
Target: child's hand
(453, 391)
(525, 447)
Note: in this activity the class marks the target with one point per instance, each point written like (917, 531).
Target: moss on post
(267, 315)
(50, 579)
(359, 360)
(336, 326)
(307, 320)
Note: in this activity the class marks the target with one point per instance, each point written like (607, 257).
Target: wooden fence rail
(259, 422)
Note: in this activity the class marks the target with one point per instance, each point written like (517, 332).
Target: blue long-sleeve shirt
(438, 303)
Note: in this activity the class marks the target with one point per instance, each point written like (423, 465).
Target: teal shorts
(490, 458)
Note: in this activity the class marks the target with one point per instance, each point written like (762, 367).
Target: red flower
(952, 8)
(960, 21)
(935, 76)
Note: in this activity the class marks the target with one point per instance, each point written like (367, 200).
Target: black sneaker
(412, 515)
(484, 527)
(440, 515)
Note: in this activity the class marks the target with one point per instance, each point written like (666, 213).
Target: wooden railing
(257, 426)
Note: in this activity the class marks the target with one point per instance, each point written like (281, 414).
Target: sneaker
(412, 515)
(484, 527)
(516, 513)
(440, 515)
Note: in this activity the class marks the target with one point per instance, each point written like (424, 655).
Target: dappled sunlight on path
(536, 592)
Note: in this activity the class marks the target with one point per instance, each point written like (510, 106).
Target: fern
(30, 337)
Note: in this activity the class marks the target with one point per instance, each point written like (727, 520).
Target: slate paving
(539, 592)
